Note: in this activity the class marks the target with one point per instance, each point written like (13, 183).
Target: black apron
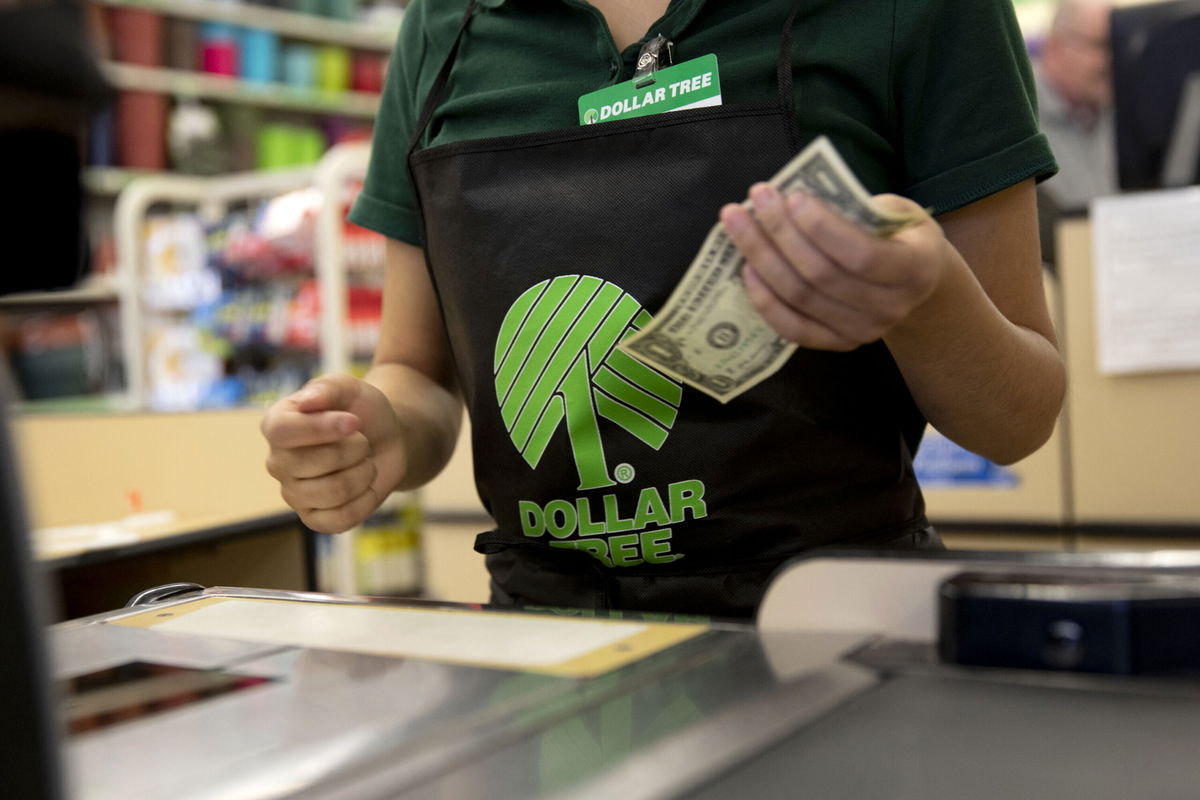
(613, 486)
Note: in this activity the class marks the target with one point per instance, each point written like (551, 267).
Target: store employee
(544, 240)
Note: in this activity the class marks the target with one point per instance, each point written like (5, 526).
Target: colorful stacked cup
(260, 55)
(220, 48)
(274, 146)
(333, 69)
(300, 66)
(281, 146)
(340, 9)
(367, 73)
(183, 45)
(141, 116)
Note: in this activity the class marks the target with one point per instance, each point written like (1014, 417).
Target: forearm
(992, 386)
(429, 415)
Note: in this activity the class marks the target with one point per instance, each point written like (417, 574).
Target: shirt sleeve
(387, 203)
(965, 103)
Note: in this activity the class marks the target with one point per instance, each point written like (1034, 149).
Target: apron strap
(434, 98)
(783, 77)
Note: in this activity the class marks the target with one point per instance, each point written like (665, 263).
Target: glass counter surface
(309, 721)
(724, 712)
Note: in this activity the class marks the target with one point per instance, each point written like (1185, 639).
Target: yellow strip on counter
(563, 646)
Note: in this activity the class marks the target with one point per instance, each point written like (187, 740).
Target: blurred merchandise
(220, 57)
(142, 130)
(274, 147)
(218, 32)
(368, 72)
(333, 68)
(183, 45)
(260, 55)
(387, 549)
(364, 249)
(195, 139)
(339, 130)
(137, 36)
(308, 146)
(281, 145)
(340, 9)
(57, 354)
(382, 556)
(102, 144)
(307, 6)
(240, 124)
(364, 321)
(181, 366)
(288, 223)
(161, 62)
(176, 276)
(234, 258)
(104, 250)
(300, 65)
(232, 305)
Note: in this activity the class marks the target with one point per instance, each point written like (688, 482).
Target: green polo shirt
(931, 99)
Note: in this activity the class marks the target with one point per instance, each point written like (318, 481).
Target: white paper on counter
(1147, 276)
(504, 640)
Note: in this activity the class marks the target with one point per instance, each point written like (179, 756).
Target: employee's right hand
(336, 450)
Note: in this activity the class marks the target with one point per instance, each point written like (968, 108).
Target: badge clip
(655, 54)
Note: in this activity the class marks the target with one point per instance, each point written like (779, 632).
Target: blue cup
(300, 66)
(218, 32)
(260, 55)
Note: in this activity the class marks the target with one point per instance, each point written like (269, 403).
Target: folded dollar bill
(709, 335)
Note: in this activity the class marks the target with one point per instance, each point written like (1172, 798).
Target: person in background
(1074, 88)
(49, 87)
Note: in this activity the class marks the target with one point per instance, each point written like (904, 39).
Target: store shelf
(83, 404)
(111, 180)
(93, 293)
(285, 23)
(220, 87)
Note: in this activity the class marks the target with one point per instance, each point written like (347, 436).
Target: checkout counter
(1119, 471)
(123, 501)
(836, 692)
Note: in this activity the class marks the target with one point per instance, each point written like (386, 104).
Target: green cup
(276, 148)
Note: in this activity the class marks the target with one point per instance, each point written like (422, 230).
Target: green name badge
(691, 84)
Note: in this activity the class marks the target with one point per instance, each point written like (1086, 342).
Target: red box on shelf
(137, 36)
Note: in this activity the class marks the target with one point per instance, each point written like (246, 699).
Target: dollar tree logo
(556, 360)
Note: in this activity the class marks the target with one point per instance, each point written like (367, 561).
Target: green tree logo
(556, 359)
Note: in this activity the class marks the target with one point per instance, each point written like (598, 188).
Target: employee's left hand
(822, 282)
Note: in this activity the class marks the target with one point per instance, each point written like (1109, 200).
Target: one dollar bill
(709, 335)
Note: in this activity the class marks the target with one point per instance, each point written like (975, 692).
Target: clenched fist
(336, 450)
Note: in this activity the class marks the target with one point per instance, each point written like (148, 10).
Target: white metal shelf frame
(109, 181)
(88, 294)
(341, 164)
(366, 36)
(212, 196)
